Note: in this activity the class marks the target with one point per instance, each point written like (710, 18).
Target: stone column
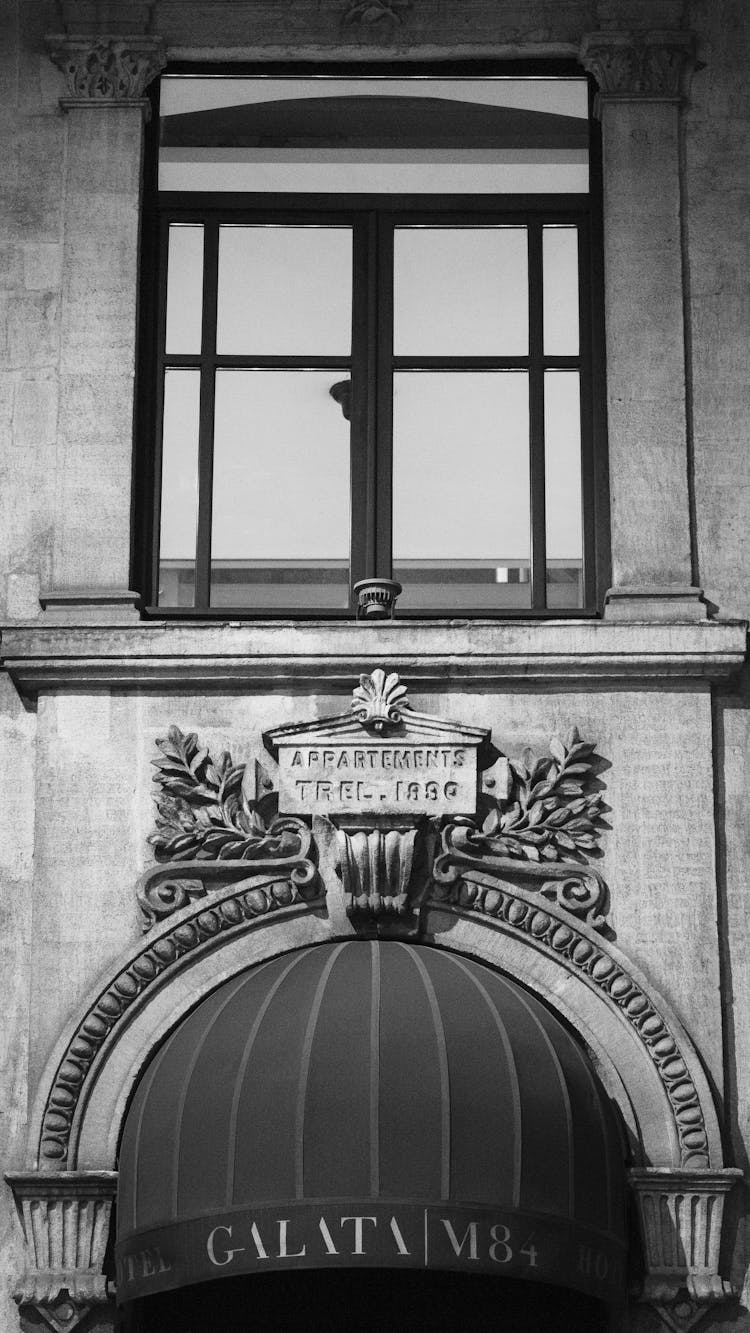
(104, 108)
(642, 80)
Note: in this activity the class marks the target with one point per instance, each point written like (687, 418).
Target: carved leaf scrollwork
(205, 815)
(549, 814)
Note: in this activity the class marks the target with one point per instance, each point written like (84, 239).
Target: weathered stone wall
(716, 210)
(31, 236)
(76, 791)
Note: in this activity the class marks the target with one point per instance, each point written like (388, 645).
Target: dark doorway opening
(372, 1301)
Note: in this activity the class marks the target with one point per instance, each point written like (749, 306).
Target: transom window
(374, 345)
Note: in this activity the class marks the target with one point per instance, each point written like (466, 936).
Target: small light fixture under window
(341, 393)
(376, 598)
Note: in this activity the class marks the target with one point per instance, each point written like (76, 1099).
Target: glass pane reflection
(560, 251)
(285, 291)
(460, 291)
(179, 488)
(562, 454)
(461, 489)
(184, 288)
(281, 485)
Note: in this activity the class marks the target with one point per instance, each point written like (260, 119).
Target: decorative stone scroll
(681, 1215)
(579, 889)
(107, 71)
(648, 67)
(65, 1221)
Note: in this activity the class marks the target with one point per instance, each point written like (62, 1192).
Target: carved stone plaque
(382, 759)
(377, 777)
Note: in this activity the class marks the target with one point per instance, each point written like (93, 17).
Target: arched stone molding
(643, 1056)
(646, 1059)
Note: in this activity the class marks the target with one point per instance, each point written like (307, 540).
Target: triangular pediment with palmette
(349, 728)
(382, 758)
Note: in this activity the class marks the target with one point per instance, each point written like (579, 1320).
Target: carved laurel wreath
(204, 813)
(551, 813)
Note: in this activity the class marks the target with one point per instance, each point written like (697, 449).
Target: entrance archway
(380, 1112)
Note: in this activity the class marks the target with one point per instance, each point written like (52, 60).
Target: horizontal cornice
(300, 655)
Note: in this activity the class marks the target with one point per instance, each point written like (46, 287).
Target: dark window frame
(372, 465)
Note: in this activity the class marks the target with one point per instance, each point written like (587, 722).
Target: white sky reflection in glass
(560, 255)
(460, 466)
(179, 483)
(562, 453)
(460, 291)
(284, 291)
(281, 467)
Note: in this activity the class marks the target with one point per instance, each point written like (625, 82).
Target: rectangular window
(375, 346)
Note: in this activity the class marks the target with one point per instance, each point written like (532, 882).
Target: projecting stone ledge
(466, 654)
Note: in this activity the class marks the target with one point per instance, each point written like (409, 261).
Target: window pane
(560, 249)
(184, 288)
(374, 134)
(281, 491)
(562, 455)
(460, 291)
(461, 489)
(179, 488)
(285, 291)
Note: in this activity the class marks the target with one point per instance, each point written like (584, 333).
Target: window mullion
(536, 420)
(207, 402)
(589, 499)
(363, 399)
(161, 339)
(383, 562)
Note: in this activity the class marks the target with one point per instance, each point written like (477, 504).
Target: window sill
(280, 655)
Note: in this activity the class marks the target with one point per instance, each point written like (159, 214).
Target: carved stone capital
(681, 1215)
(107, 71)
(650, 67)
(65, 1221)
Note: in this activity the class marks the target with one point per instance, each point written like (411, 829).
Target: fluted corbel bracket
(107, 71)
(65, 1221)
(643, 67)
(681, 1215)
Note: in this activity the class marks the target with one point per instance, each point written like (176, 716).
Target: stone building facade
(635, 942)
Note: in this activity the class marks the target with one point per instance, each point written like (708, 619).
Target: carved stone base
(65, 1221)
(90, 606)
(671, 603)
(681, 1215)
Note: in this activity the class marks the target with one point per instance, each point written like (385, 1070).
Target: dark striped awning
(370, 1103)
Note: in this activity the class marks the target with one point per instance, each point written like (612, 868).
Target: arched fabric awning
(373, 1104)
